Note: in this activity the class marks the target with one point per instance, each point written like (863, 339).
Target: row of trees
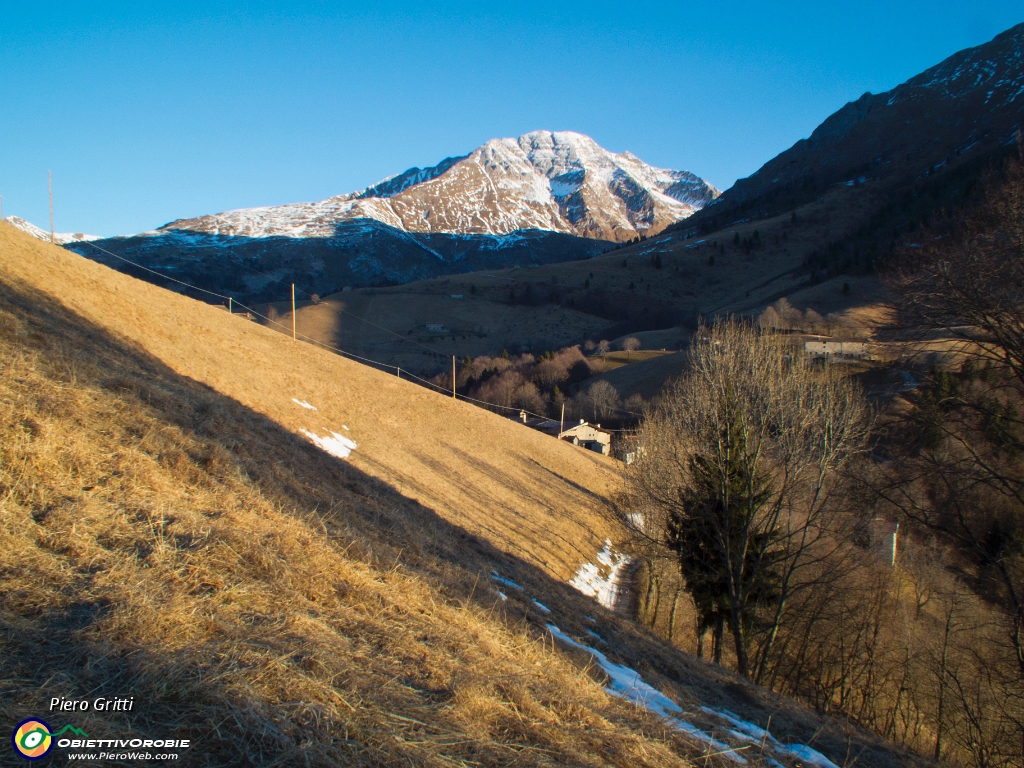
(783, 316)
(755, 506)
(542, 385)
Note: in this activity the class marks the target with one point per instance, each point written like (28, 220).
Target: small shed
(549, 426)
(590, 436)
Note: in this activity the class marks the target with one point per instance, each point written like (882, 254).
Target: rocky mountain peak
(556, 181)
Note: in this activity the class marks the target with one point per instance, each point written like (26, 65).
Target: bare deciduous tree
(601, 399)
(813, 321)
(789, 316)
(770, 320)
(965, 479)
(741, 458)
(630, 345)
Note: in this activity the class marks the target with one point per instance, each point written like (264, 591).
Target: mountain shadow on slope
(360, 253)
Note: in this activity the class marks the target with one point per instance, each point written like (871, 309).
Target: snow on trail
(627, 684)
(506, 582)
(602, 581)
(747, 731)
(305, 405)
(332, 443)
(807, 755)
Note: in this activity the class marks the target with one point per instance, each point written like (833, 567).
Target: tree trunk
(736, 626)
(672, 616)
(657, 604)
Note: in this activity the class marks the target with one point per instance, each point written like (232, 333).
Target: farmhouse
(589, 436)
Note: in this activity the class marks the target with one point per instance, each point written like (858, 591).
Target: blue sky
(148, 112)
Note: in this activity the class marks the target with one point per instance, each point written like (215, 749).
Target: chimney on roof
(582, 421)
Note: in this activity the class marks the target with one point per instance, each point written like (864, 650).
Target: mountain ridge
(968, 105)
(543, 180)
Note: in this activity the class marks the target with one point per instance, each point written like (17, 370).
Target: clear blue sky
(147, 112)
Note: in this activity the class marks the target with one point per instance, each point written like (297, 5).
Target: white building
(589, 436)
(848, 350)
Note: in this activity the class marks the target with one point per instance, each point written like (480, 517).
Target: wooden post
(399, 373)
(49, 177)
(453, 377)
(293, 311)
(561, 429)
(229, 306)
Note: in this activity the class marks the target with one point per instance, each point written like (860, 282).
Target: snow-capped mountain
(544, 180)
(61, 238)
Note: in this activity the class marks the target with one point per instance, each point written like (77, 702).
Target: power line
(338, 350)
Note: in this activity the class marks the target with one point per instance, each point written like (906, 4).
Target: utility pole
(561, 429)
(293, 311)
(229, 306)
(453, 377)
(49, 176)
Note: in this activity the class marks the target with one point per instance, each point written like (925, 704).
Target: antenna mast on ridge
(49, 177)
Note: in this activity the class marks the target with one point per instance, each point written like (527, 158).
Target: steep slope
(287, 557)
(968, 106)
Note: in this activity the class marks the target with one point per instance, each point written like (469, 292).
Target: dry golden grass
(166, 533)
(475, 325)
(528, 494)
(278, 606)
(645, 377)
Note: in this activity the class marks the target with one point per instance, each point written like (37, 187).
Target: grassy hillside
(168, 531)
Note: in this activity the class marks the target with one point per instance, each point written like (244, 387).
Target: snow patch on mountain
(60, 238)
(544, 180)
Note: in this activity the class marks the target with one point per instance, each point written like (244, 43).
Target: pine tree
(721, 550)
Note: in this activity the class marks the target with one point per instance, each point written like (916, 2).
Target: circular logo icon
(32, 738)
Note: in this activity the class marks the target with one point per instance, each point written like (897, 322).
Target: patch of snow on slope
(506, 582)
(601, 581)
(305, 405)
(746, 730)
(627, 684)
(807, 755)
(332, 443)
(541, 605)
